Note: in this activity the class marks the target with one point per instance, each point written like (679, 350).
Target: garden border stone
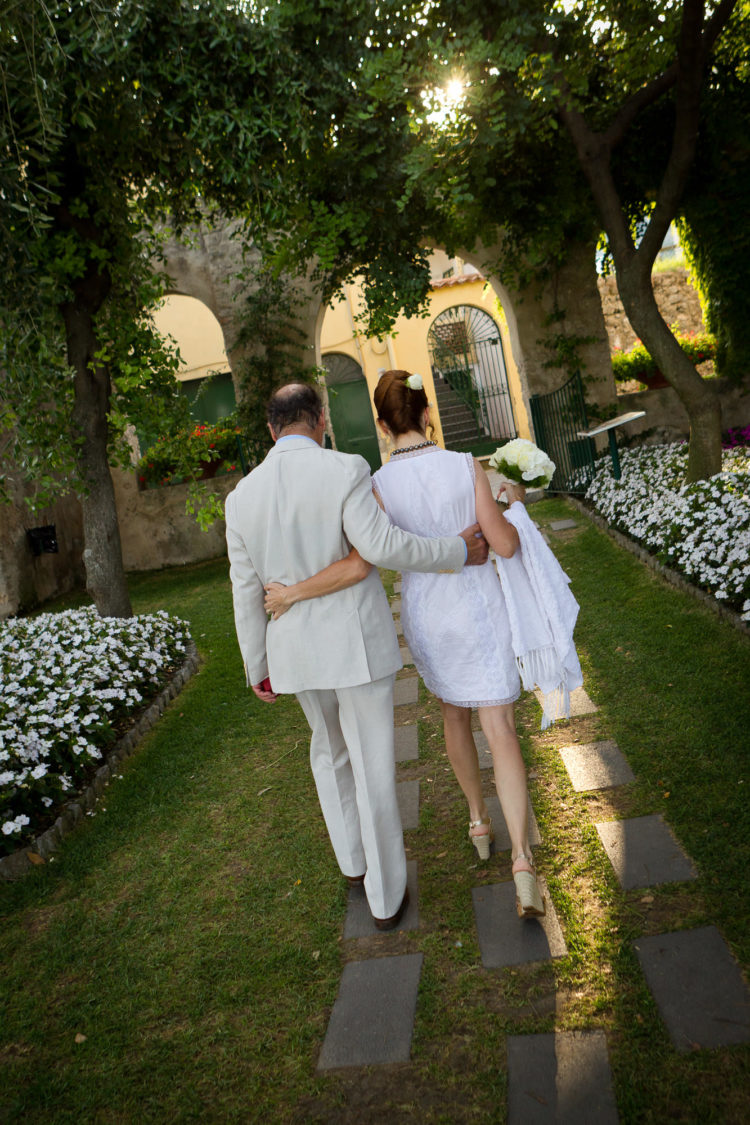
(672, 576)
(19, 863)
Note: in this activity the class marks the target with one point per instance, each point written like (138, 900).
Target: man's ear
(271, 430)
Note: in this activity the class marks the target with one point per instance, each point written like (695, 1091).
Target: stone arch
(193, 325)
(219, 266)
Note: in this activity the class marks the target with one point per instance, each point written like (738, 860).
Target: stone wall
(27, 580)
(155, 529)
(666, 418)
(677, 299)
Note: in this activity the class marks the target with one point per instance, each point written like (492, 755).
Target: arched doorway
(349, 404)
(204, 375)
(471, 381)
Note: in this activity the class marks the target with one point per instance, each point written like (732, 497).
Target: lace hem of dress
(483, 702)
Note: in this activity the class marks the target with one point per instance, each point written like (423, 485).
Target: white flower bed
(702, 530)
(65, 681)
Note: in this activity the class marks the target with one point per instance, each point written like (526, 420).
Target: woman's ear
(384, 429)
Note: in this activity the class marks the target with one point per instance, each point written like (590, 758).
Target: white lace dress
(456, 625)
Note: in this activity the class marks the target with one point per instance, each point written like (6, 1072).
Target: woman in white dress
(456, 625)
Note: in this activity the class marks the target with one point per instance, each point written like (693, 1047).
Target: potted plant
(196, 453)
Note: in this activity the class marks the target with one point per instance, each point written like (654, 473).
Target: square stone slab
(372, 1020)
(407, 793)
(406, 655)
(596, 765)
(483, 750)
(504, 938)
(697, 986)
(580, 704)
(643, 852)
(395, 605)
(399, 628)
(358, 922)
(499, 827)
(562, 525)
(560, 1079)
(397, 587)
(406, 742)
(406, 691)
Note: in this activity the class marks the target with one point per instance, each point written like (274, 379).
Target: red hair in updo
(397, 405)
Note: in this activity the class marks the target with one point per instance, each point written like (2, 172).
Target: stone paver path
(596, 765)
(406, 691)
(504, 938)
(406, 742)
(373, 1016)
(644, 853)
(407, 793)
(698, 988)
(358, 922)
(562, 1078)
(499, 827)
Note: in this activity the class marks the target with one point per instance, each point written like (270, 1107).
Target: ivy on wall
(270, 332)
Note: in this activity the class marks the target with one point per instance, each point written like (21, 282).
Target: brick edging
(671, 576)
(18, 864)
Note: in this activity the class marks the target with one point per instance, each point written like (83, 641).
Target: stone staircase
(459, 425)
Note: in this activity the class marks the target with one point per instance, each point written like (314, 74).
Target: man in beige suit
(294, 514)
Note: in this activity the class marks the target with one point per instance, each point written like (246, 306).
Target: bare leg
(498, 724)
(462, 755)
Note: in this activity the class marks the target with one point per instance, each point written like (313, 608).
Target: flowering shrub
(66, 679)
(701, 529)
(188, 453)
(638, 363)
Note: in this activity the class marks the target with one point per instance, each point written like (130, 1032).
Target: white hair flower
(414, 382)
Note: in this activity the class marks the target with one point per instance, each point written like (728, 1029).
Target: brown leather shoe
(355, 880)
(393, 921)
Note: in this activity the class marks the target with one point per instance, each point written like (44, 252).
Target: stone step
(372, 1020)
(596, 765)
(560, 1079)
(580, 704)
(358, 922)
(407, 793)
(698, 988)
(644, 853)
(504, 938)
(500, 829)
(406, 690)
(406, 742)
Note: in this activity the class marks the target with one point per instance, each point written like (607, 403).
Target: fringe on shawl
(541, 667)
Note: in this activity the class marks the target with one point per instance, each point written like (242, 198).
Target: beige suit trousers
(352, 760)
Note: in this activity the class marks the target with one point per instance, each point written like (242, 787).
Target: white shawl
(542, 614)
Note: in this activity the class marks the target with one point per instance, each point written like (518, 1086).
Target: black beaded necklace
(412, 448)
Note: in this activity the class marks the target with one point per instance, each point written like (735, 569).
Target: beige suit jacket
(293, 515)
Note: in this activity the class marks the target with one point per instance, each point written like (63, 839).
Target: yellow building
(462, 350)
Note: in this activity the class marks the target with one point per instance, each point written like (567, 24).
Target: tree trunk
(698, 397)
(102, 556)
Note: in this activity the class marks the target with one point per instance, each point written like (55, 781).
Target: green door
(351, 413)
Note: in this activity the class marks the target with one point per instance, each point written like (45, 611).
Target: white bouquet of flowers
(523, 462)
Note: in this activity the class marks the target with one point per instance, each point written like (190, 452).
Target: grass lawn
(179, 958)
